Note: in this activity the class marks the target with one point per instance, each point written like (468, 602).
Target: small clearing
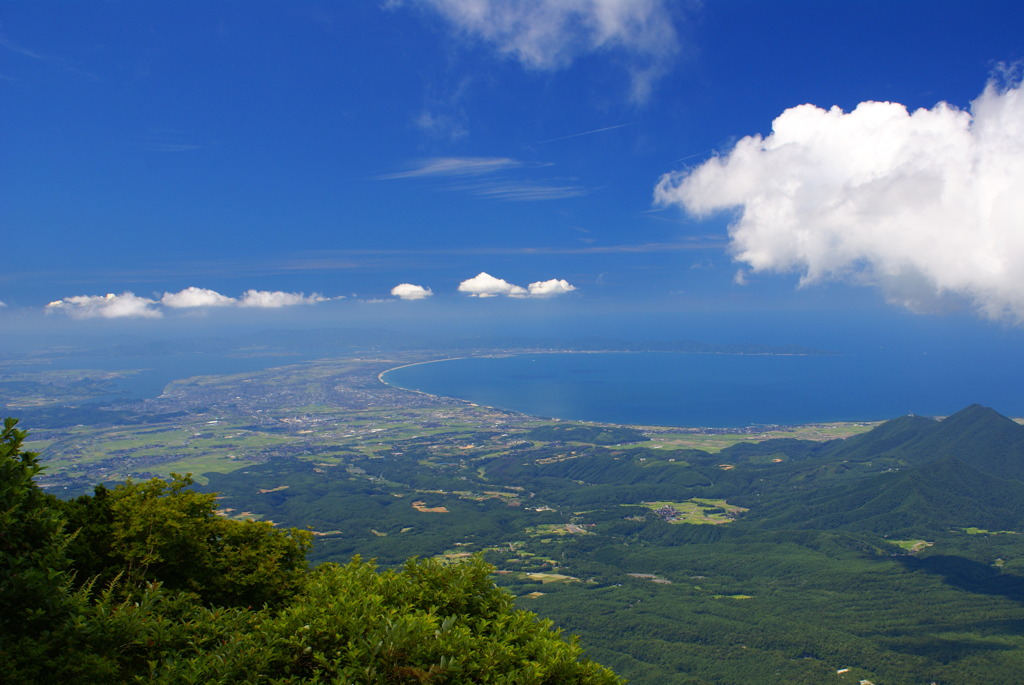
(420, 505)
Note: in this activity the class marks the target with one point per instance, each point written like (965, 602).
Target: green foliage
(177, 594)
(802, 585)
(162, 531)
(595, 435)
(33, 576)
(427, 622)
(35, 599)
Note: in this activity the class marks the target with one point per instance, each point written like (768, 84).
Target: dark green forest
(894, 556)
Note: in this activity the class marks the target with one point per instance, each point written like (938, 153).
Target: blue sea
(876, 367)
(725, 390)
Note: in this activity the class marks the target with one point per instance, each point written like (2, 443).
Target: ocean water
(880, 366)
(723, 390)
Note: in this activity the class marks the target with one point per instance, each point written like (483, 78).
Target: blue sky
(205, 161)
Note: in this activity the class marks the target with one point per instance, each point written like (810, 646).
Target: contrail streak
(587, 133)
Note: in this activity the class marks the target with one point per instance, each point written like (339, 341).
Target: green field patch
(697, 510)
(546, 578)
(709, 441)
(37, 445)
(202, 464)
(733, 596)
(557, 529)
(981, 531)
(912, 545)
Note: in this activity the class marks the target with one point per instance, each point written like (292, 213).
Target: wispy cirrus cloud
(51, 60)
(347, 259)
(585, 133)
(455, 166)
(548, 35)
(169, 140)
(499, 178)
(522, 191)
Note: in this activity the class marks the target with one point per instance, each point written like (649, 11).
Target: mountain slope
(966, 470)
(976, 435)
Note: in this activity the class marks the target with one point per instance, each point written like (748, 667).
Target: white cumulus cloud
(128, 304)
(550, 288)
(925, 204)
(486, 285)
(108, 306)
(272, 299)
(408, 291)
(551, 34)
(196, 297)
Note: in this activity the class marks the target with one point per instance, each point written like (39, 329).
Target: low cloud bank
(486, 285)
(128, 304)
(196, 297)
(275, 299)
(108, 306)
(408, 291)
(925, 205)
(555, 286)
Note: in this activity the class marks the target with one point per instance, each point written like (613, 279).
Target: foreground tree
(161, 531)
(168, 592)
(35, 599)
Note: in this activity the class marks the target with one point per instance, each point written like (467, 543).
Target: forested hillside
(894, 556)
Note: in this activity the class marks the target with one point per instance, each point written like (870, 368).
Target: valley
(880, 552)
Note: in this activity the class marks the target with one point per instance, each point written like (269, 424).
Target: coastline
(709, 389)
(656, 419)
(380, 376)
(699, 437)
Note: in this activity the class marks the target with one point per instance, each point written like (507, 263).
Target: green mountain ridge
(960, 472)
(932, 498)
